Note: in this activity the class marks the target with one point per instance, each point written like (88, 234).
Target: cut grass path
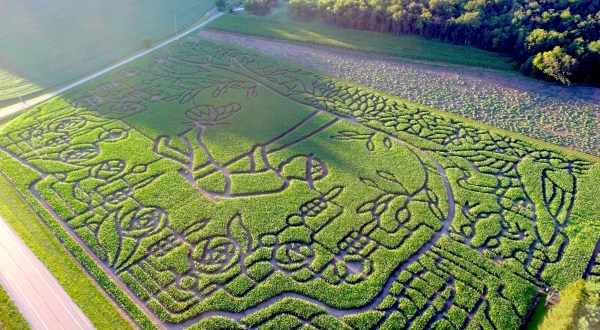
(32, 102)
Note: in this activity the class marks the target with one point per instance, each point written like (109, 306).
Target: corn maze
(226, 189)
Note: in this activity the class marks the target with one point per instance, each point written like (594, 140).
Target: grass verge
(10, 318)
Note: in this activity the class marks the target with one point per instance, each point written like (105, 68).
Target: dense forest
(554, 39)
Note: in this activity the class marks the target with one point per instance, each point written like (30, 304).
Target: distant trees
(221, 5)
(259, 7)
(529, 30)
(578, 308)
(303, 9)
(225, 5)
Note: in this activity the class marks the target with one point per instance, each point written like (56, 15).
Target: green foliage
(259, 7)
(556, 64)
(363, 321)
(225, 5)
(221, 5)
(523, 28)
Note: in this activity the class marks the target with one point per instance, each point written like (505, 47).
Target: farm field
(50, 248)
(564, 115)
(228, 189)
(279, 25)
(48, 43)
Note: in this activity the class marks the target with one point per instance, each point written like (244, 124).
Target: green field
(230, 190)
(10, 318)
(52, 42)
(281, 26)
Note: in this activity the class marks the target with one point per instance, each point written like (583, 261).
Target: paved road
(37, 294)
(30, 103)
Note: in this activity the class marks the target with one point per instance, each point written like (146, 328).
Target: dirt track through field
(565, 115)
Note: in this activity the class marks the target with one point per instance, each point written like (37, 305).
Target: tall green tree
(556, 64)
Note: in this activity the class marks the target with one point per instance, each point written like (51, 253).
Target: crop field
(568, 116)
(50, 43)
(227, 189)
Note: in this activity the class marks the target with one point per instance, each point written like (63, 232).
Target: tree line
(553, 39)
(259, 7)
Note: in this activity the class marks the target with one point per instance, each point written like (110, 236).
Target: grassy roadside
(10, 317)
(93, 302)
(281, 26)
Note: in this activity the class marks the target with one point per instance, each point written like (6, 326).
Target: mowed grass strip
(45, 44)
(284, 27)
(10, 317)
(95, 305)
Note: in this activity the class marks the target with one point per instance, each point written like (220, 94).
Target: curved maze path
(225, 188)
